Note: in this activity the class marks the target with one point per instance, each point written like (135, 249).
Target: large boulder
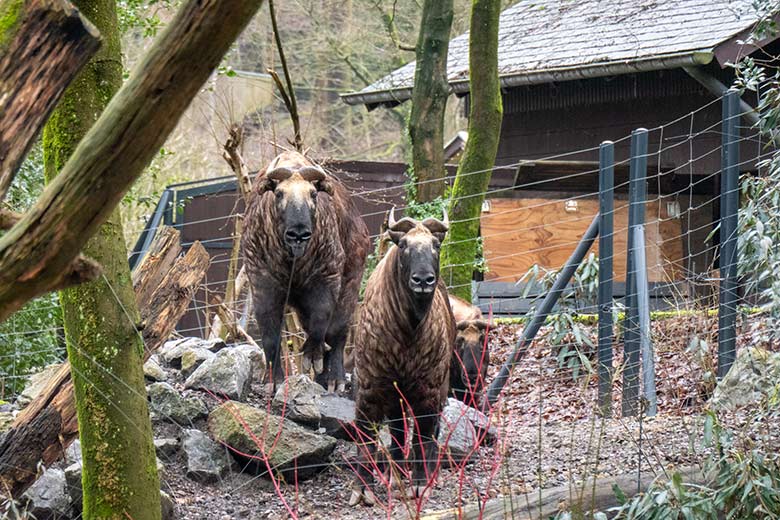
(168, 404)
(206, 460)
(172, 351)
(754, 376)
(48, 497)
(192, 358)
(36, 384)
(226, 374)
(256, 433)
(457, 435)
(153, 370)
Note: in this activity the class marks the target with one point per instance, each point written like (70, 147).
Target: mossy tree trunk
(485, 115)
(429, 98)
(104, 348)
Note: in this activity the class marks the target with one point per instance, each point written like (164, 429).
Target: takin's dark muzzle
(297, 228)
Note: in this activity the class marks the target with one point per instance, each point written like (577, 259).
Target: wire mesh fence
(552, 426)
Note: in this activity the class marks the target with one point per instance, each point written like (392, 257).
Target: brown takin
(470, 353)
(403, 348)
(304, 244)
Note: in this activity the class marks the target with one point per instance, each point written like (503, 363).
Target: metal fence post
(729, 205)
(539, 317)
(643, 308)
(637, 193)
(606, 251)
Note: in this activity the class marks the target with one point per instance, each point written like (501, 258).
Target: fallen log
(48, 425)
(49, 39)
(115, 151)
(580, 498)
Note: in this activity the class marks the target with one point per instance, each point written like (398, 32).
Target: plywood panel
(519, 233)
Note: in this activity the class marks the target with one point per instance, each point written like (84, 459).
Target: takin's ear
(396, 236)
(324, 185)
(272, 178)
(316, 175)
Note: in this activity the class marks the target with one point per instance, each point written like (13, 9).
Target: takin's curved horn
(279, 174)
(404, 225)
(435, 225)
(312, 173)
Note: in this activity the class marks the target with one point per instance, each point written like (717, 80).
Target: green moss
(10, 16)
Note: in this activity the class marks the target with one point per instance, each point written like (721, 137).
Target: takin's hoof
(307, 364)
(336, 386)
(362, 494)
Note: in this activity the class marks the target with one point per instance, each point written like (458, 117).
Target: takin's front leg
(334, 377)
(426, 450)
(315, 307)
(269, 311)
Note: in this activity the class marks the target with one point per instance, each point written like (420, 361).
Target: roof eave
(396, 96)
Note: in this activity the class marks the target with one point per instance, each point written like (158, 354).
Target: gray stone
(48, 496)
(337, 416)
(73, 452)
(297, 396)
(192, 358)
(166, 447)
(36, 383)
(256, 357)
(6, 420)
(754, 376)
(226, 374)
(206, 460)
(456, 433)
(73, 482)
(168, 404)
(172, 351)
(486, 430)
(153, 371)
(167, 506)
(296, 449)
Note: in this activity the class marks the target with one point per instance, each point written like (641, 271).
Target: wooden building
(575, 74)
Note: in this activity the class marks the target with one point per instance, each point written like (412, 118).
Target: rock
(298, 398)
(192, 358)
(73, 452)
(228, 373)
(6, 420)
(166, 447)
(754, 376)
(207, 461)
(48, 496)
(168, 404)
(153, 371)
(456, 433)
(35, 384)
(296, 447)
(486, 430)
(172, 351)
(337, 416)
(167, 506)
(73, 482)
(256, 357)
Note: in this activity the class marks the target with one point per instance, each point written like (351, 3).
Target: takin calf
(304, 244)
(470, 353)
(403, 348)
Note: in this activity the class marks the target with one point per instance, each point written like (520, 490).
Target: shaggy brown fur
(402, 353)
(323, 283)
(470, 353)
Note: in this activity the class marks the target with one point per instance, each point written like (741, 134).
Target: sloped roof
(555, 40)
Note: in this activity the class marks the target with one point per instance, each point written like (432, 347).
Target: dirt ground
(549, 434)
